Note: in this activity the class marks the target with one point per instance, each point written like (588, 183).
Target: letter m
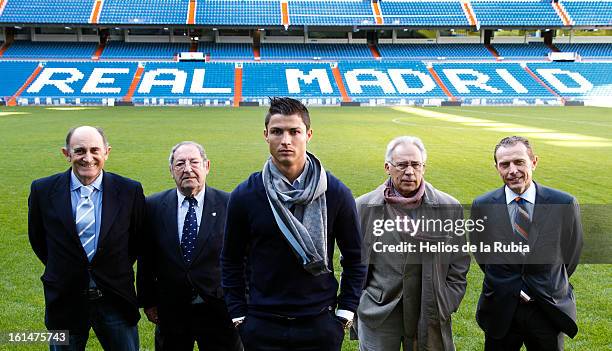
(294, 76)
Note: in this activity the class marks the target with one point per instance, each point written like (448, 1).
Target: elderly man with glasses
(409, 295)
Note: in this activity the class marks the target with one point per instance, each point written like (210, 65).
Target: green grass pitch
(349, 141)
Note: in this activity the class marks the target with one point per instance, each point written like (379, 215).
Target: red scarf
(393, 197)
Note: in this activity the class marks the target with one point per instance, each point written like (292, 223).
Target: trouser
(530, 326)
(110, 326)
(323, 332)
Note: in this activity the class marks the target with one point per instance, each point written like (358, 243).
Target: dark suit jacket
(53, 236)
(164, 279)
(555, 241)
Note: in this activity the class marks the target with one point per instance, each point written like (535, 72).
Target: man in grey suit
(409, 297)
(526, 296)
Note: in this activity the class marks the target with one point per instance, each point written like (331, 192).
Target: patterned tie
(521, 219)
(190, 231)
(85, 221)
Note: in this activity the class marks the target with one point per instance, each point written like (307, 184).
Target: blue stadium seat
(423, 13)
(490, 82)
(14, 74)
(420, 51)
(261, 80)
(319, 51)
(238, 12)
(592, 50)
(122, 50)
(531, 50)
(44, 50)
(47, 11)
(144, 12)
(216, 75)
(515, 13)
(579, 80)
(589, 12)
(331, 12)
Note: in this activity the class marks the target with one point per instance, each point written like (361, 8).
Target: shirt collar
(199, 197)
(298, 183)
(75, 183)
(529, 195)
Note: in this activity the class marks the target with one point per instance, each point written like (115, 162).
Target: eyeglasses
(181, 165)
(402, 166)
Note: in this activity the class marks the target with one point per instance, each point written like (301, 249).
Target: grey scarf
(306, 228)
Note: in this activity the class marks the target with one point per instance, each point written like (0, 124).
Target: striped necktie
(190, 231)
(85, 221)
(521, 219)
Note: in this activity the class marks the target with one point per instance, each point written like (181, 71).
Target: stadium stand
(14, 75)
(226, 50)
(63, 50)
(144, 12)
(270, 78)
(47, 11)
(521, 13)
(412, 51)
(315, 51)
(186, 80)
(238, 12)
(331, 12)
(121, 50)
(423, 13)
(589, 12)
(577, 80)
(504, 81)
(531, 50)
(590, 50)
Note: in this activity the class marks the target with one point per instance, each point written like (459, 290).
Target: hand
(151, 313)
(346, 323)
(238, 321)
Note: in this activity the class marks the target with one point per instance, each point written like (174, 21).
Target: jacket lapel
(110, 205)
(62, 204)
(207, 223)
(501, 215)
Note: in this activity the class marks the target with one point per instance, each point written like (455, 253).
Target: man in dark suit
(84, 225)
(179, 277)
(526, 295)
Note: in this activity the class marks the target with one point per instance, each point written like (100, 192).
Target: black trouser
(323, 332)
(530, 326)
(205, 324)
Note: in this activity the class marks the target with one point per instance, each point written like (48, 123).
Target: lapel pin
(214, 214)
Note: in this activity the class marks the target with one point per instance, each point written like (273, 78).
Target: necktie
(190, 231)
(521, 219)
(85, 221)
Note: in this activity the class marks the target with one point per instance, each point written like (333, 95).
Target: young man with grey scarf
(282, 225)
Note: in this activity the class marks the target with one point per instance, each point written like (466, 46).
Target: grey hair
(405, 140)
(183, 143)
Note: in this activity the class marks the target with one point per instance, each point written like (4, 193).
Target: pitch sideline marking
(549, 136)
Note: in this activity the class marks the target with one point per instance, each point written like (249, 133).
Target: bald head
(87, 150)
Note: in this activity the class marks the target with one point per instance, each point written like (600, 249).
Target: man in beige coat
(410, 291)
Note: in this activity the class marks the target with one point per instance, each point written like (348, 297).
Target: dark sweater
(278, 284)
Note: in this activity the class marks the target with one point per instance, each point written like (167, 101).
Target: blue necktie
(86, 220)
(521, 219)
(190, 231)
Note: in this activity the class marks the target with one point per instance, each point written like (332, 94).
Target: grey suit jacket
(443, 280)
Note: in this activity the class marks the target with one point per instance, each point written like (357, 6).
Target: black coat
(555, 241)
(53, 236)
(164, 279)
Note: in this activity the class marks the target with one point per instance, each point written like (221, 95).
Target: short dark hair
(287, 106)
(71, 131)
(511, 141)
